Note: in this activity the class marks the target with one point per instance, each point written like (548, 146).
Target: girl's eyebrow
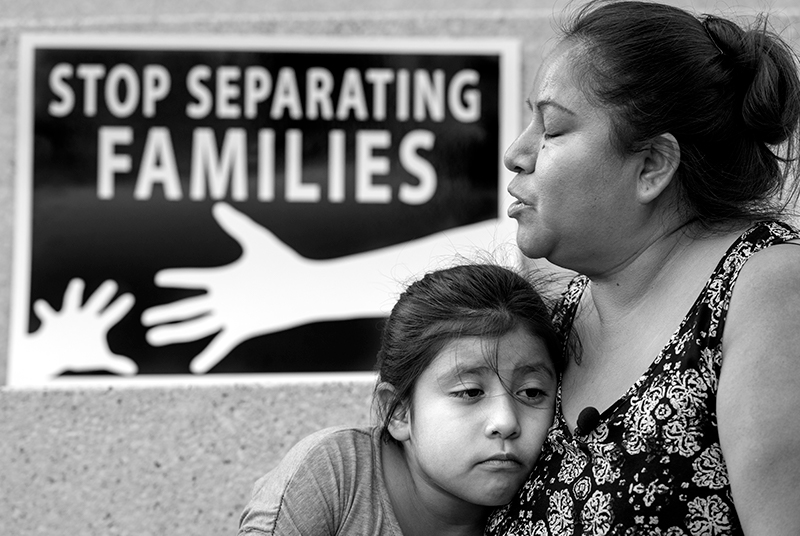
(545, 369)
(478, 370)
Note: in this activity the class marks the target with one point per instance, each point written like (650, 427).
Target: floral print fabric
(653, 464)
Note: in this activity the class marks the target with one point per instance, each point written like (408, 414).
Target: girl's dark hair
(471, 300)
(729, 95)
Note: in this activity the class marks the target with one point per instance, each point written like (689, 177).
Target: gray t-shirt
(330, 483)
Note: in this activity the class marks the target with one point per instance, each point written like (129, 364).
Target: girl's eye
(549, 136)
(531, 394)
(469, 393)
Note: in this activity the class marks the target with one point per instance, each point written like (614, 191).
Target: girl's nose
(502, 420)
(521, 155)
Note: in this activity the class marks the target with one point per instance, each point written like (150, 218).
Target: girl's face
(575, 193)
(474, 433)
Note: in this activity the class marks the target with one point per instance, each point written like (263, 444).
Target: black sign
(217, 206)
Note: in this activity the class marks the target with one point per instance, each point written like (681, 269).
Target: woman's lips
(516, 207)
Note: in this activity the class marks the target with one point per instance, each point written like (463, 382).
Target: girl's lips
(502, 461)
(503, 457)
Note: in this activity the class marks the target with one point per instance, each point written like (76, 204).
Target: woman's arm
(758, 405)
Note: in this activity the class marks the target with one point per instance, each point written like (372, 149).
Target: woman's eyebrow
(529, 104)
(544, 103)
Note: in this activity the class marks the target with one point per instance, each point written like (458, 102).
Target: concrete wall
(160, 459)
(152, 461)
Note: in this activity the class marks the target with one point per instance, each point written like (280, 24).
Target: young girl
(467, 380)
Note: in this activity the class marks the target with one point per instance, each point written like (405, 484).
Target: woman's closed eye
(553, 127)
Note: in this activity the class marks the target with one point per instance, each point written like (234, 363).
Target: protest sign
(190, 205)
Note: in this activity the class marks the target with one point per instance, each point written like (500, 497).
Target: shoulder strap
(565, 310)
(712, 307)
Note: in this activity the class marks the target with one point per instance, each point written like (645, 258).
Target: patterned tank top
(652, 465)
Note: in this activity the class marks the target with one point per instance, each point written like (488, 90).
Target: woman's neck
(664, 260)
(627, 316)
(633, 280)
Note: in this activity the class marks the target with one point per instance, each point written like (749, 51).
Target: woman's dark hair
(470, 300)
(729, 95)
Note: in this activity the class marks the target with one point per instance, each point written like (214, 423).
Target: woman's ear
(661, 159)
(399, 424)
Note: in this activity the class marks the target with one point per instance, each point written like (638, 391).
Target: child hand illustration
(75, 337)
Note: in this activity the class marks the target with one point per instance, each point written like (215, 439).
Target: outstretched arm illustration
(271, 288)
(75, 337)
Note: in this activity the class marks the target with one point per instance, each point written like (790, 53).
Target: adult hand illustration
(271, 287)
(233, 305)
(75, 337)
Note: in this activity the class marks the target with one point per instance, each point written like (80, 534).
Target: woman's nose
(520, 157)
(502, 421)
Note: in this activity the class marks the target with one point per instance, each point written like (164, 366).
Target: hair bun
(759, 63)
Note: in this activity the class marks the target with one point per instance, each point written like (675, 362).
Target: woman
(658, 144)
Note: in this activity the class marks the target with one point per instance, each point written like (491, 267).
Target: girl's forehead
(516, 352)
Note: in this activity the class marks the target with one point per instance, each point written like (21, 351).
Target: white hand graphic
(271, 288)
(233, 305)
(75, 338)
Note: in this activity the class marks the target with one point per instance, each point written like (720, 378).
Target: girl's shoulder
(317, 488)
(344, 443)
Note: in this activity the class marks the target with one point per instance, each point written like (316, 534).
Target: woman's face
(576, 195)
